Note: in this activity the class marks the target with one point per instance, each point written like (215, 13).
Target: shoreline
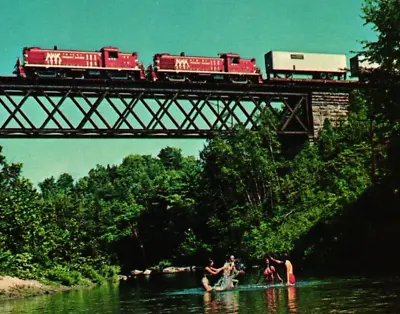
(13, 288)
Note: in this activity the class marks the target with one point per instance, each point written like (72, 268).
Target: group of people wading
(228, 281)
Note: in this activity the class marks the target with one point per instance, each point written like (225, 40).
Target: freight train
(110, 63)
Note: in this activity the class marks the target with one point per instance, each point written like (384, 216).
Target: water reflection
(292, 302)
(210, 304)
(221, 302)
(105, 297)
(275, 299)
(270, 297)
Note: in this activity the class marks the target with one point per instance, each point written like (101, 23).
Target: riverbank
(12, 287)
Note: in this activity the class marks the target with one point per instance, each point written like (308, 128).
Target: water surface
(181, 293)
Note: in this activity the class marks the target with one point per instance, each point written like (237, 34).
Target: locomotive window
(235, 60)
(297, 56)
(113, 54)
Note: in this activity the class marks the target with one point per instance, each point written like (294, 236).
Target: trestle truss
(100, 109)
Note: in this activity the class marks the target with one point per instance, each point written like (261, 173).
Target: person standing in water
(230, 272)
(291, 279)
(270, 273)
(208, 271)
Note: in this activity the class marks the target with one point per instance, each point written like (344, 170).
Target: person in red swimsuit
(291, 279)
(270, 273)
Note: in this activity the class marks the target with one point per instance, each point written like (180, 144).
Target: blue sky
(199, 27)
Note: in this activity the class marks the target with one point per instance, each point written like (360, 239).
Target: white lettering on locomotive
(181, 64)
(53, 58)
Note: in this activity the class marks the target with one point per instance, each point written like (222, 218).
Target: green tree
(384, 18)
(240, 184)
(171, 158)
(319, 183)
(21, 228)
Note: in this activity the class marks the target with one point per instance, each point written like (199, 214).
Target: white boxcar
(318, 65)
(360, 63)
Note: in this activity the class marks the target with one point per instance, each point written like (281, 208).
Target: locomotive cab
(241, 70)
(121, 65)
(231, 61)
(110, 56)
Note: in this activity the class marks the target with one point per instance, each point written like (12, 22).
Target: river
(181, 293)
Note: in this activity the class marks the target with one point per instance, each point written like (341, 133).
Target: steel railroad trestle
(68, 108)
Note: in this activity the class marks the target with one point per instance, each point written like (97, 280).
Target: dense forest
(333, 206)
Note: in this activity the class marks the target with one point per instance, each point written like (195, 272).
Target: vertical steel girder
(144, 111)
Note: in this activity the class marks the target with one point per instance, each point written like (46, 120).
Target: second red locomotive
(228, 67)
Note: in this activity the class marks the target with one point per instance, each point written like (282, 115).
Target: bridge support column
(328, 105)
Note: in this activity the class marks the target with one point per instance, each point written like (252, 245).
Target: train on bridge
(111, 63)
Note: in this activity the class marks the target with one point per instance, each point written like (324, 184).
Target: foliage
(324, 179)
(63, 275)
(164, 264)
(384, 16)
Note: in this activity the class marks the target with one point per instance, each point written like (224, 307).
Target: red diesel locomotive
(109, 62)
(228, 67)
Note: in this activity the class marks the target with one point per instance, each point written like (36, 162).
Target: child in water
(270, 273)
